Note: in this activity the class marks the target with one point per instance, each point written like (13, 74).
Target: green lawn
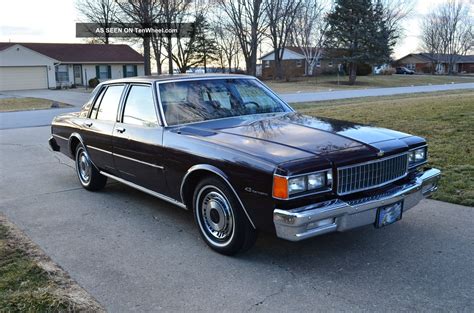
(23, 104)
(445, 119)
(329, 82)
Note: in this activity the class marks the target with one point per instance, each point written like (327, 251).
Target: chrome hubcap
(84, 166)
(217, 216)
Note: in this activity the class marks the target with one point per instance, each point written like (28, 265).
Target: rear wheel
(89, 176)
(221, 221)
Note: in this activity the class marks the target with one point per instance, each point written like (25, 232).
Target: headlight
(296, 185)
(316, 181)
(285, 187)
(417, 156)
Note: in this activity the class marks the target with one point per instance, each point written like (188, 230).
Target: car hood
(285, 137)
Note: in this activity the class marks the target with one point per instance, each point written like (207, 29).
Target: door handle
(120, 129)
(87, 124)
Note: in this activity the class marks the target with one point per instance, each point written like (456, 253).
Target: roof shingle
(77, 53)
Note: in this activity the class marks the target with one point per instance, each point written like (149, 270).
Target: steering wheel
(251, 102)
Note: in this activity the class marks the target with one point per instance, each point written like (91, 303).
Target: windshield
(201, 100)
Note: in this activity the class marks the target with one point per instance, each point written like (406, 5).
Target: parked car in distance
(229, 149)
(404, 70)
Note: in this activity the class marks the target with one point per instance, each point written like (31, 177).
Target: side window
(109, 104)
(95, 108)
(140, 108)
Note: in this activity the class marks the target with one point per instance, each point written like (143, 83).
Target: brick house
(436, 63)
(294, 64)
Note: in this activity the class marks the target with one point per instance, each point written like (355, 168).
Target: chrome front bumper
(337, 215)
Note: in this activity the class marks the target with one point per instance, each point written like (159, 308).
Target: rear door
(137, 139)
(99, 127)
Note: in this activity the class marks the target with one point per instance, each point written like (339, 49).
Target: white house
(49, 65)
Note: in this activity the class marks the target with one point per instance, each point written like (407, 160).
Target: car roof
(174, 77)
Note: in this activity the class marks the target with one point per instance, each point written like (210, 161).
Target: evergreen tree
(359, 32)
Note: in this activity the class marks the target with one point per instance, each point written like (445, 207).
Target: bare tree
(394, 13)
(431, 39)
(309, 31)
(228, 45)
(101, 12)
(157, 43)
(247, 18)
(281, 15)
(145, 13)
(447, 32)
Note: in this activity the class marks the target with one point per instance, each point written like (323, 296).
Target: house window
(266, 63)
(318, 64)
(103, 71)
(129, 70)
(299, 63)
(62, 74)
(330, 63)
(411, 66)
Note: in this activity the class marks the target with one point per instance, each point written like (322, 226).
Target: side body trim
(126, 157)
(60, 137)
(218, 172)
(138, 161)
(145, 190)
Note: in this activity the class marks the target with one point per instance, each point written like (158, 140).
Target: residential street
(42, 118)
(133, 252)
(372, 92)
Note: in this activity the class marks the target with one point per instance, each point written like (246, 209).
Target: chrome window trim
(308, 193)
(158, 83)
(370, 162)
(143, 189)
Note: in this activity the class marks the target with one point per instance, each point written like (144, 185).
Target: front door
(77, 74)
(137, 140)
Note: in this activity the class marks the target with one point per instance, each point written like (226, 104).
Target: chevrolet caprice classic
(229, 149)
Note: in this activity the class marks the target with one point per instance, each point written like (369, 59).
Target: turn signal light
(280, 187)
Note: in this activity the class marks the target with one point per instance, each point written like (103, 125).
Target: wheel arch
(198, 172)
(74, 140)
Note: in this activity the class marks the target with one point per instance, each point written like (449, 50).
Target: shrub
(363, 69)
(93, 82)
(388, 71)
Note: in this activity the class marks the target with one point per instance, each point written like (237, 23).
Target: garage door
(23, 77)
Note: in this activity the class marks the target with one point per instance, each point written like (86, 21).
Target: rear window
(109, 103)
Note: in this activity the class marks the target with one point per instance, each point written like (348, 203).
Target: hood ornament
(380, 153)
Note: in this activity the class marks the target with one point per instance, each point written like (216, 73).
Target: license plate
(389, 214)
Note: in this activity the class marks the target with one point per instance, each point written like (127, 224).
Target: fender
(79, 137)
(221, 174)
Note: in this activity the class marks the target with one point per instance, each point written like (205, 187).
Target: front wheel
(89, 176)
(221, 221)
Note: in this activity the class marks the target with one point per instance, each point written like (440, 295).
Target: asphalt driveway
(136, 253)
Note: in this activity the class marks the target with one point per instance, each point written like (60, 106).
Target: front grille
(371, 174)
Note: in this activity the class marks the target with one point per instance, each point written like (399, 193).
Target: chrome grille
(371, 174)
